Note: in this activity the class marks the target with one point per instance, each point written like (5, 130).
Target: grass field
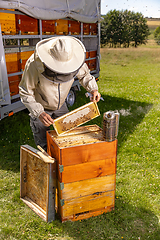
(153, 24)
(130, 83)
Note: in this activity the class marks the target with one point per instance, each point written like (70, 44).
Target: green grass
(153, 24)
(129, 83)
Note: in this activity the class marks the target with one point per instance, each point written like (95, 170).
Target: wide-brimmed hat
(64, 54)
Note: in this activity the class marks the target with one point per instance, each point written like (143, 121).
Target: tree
(127, 28)
(157, 35)
(140, 29)
(104, 36)
(124, 28)
(111, 28)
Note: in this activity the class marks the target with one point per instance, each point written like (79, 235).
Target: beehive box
(61, 27)
(86, 172)
(38, 183)
(23, 57)
(13, 84)
(92, 64)
(87, 54)
(48, 27)
(93, 28)
(86, 28)
(8, 23)
(26, 25)
(74, 27)
(93, 54)
(12, 62)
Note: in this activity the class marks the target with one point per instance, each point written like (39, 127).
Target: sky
(149, 8)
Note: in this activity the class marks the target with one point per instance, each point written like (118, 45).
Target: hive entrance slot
(79, 214)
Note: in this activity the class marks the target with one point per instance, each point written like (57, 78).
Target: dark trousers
(39, 130)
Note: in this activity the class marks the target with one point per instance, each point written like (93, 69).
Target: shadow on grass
(15, 131)
(125, 222)
(132, 113)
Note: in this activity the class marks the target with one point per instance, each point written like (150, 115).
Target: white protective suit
(39, 93)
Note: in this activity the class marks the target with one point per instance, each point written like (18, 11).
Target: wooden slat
(88, 170)
(51, 189)
(47, 191)
(87, 203)
(23, 172)
(87, 187)
(38, 210)
(87, 214)
(53, 149)
(88, 153)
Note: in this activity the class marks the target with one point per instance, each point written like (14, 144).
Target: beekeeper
(47, 78)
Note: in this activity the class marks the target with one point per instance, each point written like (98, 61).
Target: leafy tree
(127, 28)
(157, 35)
(124, 27)
(104, 36)
(140, 29)
(111, 28)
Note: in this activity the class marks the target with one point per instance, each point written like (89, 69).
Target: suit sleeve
(27, 88)
(86, 79)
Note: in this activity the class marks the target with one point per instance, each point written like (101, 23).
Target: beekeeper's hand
(46, 119)
(95, 96)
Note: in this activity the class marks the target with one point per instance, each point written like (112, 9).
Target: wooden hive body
(86, 172)
(38, 183)
(15, 62)
(26, 25)
(8, 23)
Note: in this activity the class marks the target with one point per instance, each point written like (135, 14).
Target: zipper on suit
(59, 95)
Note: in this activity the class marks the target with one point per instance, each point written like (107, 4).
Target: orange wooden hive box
(8, 23)
(48, 27)
(74, 27)
(26, 25)
(23, 57)
(86, 172)
(12, 63)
